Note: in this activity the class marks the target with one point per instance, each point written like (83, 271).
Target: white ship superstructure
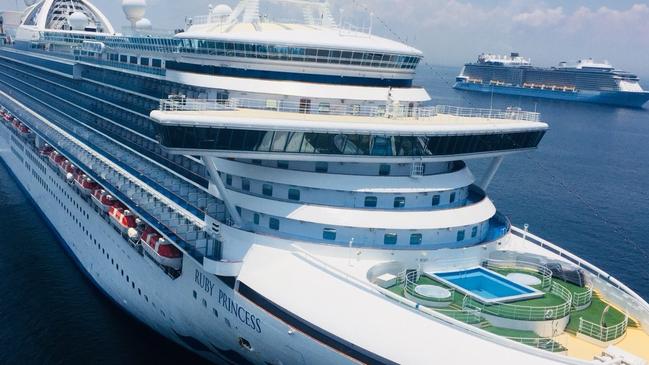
(280, 193)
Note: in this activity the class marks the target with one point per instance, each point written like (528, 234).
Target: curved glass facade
(218, 139)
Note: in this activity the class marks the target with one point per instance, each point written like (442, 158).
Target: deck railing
(542, 271)
(409, 279)
(603, 333)
(390, 110)
(582, 299)
(528, 313)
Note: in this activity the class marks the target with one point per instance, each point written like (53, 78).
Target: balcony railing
(394, 110)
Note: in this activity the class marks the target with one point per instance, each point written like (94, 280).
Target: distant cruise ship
(276, 193)
(584, 80)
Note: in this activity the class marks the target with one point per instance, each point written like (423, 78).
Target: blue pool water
(487, 286)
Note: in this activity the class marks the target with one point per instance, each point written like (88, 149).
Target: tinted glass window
(399, 202)
(273, 223)
(452, 199)
(245, 184)
(390, 239)
(474, 231)
(415, 239)
(370, 202)
(384, 170)
(435, 199)
(267, 190)
(293, 194)
(460, 235)
(255, 218)
(329, 234)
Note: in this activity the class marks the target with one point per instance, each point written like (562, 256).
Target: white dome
(30, 2)
(134, 9)
(143, 24)
(78, 20)
(222, 10)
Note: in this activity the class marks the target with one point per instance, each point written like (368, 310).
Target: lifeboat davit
(46, 150)
(56, 158)
(121, 218)
(103, 200)
(85, 184)
(63, 165)
(161, 251)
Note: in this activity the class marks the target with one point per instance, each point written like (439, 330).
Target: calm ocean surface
(586, 189)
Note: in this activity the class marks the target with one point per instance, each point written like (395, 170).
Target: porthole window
(245, 184)
(416, 238)
(293, 194)
(399, 202)
(390, 239)
(273, 223)
(370, 202)
(245, 344)
(321, 167)
(329, 234)
(267, 189)
(194, 294)
(215, 312)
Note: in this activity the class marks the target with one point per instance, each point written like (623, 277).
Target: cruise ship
(584, 80)
(278, 192)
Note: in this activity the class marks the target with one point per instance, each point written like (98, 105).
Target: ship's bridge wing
(274, 129)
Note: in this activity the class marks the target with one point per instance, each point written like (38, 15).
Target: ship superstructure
(280, 193)
(584, 80)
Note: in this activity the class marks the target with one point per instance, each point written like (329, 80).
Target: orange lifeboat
(85, 184)
(22, 129)
(56, 158)
(121, 218)
(161, 251)
(103, 200)
(45, 150)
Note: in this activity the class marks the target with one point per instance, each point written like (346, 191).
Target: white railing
(393, 110)
(409, 279)
(582, 299)
(541, 270)
(602, 333)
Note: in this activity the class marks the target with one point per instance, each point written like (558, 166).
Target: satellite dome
(30, 2)
(143, 24)
(222, 10)
(78, 20)
(134, 9)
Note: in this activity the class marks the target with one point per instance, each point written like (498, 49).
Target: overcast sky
(451, 32)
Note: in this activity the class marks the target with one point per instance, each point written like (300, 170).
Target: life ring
(549, 313)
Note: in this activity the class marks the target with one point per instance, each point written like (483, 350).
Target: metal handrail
(409, 279)
(394, 110)
(528, 313)
(601, 333)
(543, 271)
(583, 298)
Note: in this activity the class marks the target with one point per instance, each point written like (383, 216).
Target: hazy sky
(451, 32)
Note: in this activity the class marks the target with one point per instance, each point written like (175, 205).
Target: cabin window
(216, 313)
(156, 63)
(144, 61)
(321, 167)
(123, 58)
(384, 170)
(416, 238)
(329, 234)
(267, 189)
(255, 218)
(133, 60)
(245, 184)
(399, 202)
(228, 179)
(293, 194)
(370, 202)
(452, 199)
(460, 235)
(273, 223)
(474, 231)
(435, 200)
(390, 239)
(282, 164)
(256, 162)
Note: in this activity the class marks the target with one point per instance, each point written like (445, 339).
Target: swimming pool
(486, 286)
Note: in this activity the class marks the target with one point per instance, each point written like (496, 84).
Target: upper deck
(280, 128)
